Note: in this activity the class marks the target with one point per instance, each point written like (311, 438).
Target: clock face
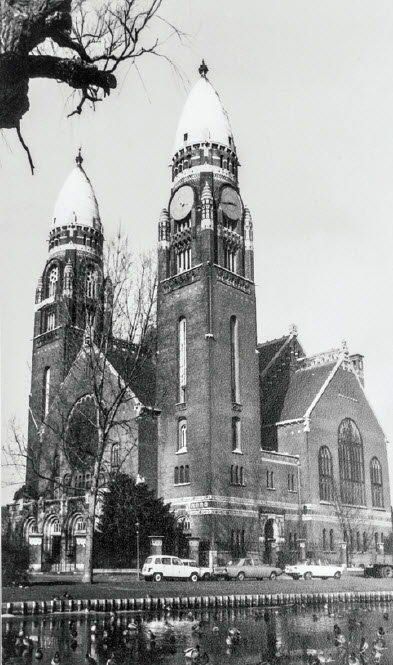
(231, 203)
(182, 202)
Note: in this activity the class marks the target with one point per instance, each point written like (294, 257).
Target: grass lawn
(127, 586)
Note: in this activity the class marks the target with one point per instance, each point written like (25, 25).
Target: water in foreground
(343, 634)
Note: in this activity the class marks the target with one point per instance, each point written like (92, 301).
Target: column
(80, 547)
(302, 549)
(156, 544)
(343, 553)
(193, 549)
(35, 552)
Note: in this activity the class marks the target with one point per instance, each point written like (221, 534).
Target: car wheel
(193, 577)
(207, 576)
(308, 575)
(157, 577)
(387, 571)
(241, 576)
(337, 575)
(272, 575)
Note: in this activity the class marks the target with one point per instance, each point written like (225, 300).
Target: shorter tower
(67, 300)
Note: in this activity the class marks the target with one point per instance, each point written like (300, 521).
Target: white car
(309, 569)
(205, 573)
(163, 566)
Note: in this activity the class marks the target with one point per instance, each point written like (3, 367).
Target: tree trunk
(90, 518)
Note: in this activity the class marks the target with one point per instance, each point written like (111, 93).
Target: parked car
(241, 568)
(309, 569)
(205, 573)
(163, 566)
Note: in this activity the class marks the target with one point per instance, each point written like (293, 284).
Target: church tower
(68, 299)
(208, 387)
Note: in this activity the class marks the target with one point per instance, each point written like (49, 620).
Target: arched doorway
(52, 543)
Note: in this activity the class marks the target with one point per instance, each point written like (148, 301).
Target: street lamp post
(137, 550)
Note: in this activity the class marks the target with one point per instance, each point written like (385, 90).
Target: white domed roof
(76, 203)
(203, 118)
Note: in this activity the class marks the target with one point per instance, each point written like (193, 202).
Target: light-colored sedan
(247, 567)
(309, 569)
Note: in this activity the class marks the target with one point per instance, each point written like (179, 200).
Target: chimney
(357, 362)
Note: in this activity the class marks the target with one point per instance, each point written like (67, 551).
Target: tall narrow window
(350, 450)
(115, 456)
(325, 474)
(91, 283)
(236, 442)
(52, 281)
(46, 392)
(182, 436)
(331, 540)
(324, 540)
(230, 258)
(182, 360)
(234, 359)
(376, 483)
(184, 259)
(186, 474)
(50, 321)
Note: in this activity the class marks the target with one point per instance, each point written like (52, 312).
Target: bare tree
(81, 43)
(101, 402)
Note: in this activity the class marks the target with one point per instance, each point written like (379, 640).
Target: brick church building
(258, 447)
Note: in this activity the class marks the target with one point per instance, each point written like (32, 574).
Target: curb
(32, 608)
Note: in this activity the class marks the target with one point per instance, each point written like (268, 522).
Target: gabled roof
(304, 388)
(269, 350)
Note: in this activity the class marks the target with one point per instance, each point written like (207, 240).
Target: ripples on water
(275, 636)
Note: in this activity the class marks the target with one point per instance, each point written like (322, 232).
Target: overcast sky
(308, 87)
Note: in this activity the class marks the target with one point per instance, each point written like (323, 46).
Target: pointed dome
(76, 203)
(203, 117)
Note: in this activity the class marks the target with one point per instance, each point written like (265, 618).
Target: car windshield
(149, 559)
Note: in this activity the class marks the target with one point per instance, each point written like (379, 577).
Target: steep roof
(304, 387)
(76, 202)
(268, 350)
(203, 118)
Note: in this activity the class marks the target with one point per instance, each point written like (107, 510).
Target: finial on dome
(79, 158)
(203, 69)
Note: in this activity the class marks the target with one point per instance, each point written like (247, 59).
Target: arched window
(234, 332)
(182, 436)
(376, 483)
(241, 479)
(91, 282)
(324, 540)
(115, 456)
(350, 449)
(80, 524)
(181, 475)
(182, 359)
(325, 474)
(358, 545)
(45, 392)
(53, 278)
(186, 474)
(331, 540)
(236, 440)
(176, 475)
(365, 541)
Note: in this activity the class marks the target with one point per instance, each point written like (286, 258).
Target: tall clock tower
(208, 386)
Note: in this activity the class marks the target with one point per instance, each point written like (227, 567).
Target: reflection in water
(346, 635)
